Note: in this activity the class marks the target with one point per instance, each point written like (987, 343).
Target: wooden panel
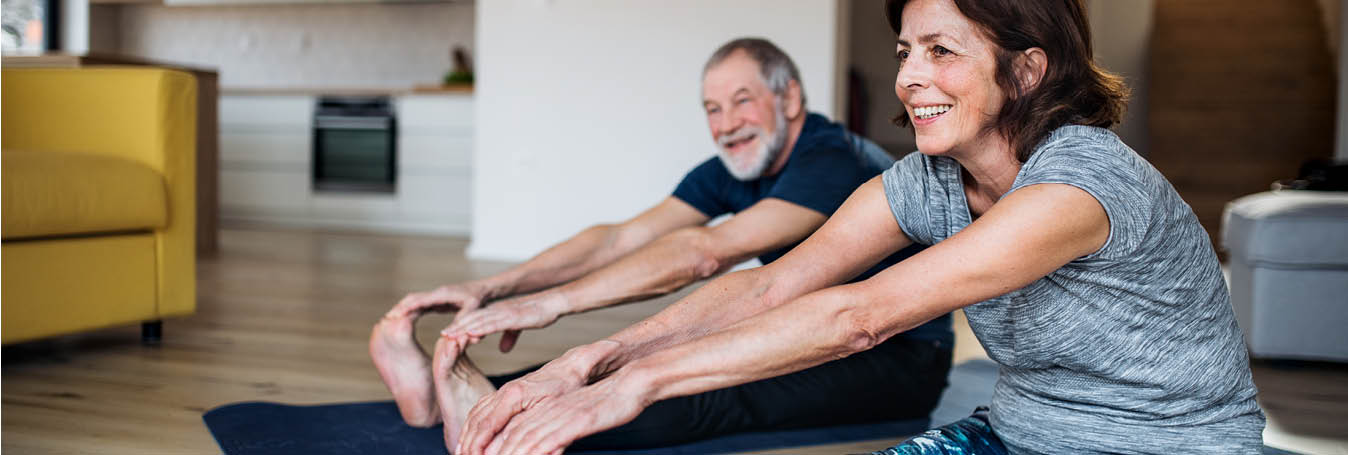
(1241, 93)
(208, 162)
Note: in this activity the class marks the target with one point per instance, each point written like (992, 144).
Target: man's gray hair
(774, 66)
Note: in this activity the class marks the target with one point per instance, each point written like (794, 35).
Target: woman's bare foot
(406, 370)
(458, 386)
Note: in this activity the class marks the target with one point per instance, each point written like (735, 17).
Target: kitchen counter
(464, 89)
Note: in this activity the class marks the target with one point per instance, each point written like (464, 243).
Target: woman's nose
(913, 74)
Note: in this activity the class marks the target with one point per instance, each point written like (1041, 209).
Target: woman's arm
(1025, 236)
(838, 251)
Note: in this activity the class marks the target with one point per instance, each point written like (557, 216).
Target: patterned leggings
(969, 436)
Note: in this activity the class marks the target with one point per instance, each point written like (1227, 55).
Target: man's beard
(752, 165)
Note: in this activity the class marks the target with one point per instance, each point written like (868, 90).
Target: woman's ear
(795, 106)
(1030, 68)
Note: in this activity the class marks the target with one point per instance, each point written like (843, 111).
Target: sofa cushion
(50, 193)
(1301, 229)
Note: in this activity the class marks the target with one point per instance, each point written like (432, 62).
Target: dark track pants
(899, 379)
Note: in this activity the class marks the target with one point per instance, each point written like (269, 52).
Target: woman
(1082, 272)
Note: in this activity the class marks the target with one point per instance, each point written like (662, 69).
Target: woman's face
(947, 79)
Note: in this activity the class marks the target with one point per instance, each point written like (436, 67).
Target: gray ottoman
(1289, 272)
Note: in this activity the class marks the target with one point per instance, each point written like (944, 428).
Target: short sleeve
(704, 188)
(822, 178)
(908, 186)
(1108, 171)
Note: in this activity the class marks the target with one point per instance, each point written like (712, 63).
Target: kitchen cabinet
(266, 164)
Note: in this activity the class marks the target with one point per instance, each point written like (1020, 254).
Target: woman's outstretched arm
(1027, 235)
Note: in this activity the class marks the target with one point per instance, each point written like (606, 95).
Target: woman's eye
(901, 56)
(941, 51)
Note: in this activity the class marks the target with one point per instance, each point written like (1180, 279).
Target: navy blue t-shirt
(826, 165)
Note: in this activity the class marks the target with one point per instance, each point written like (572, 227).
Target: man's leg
(405, 369)
(458, 386)
(900, 379)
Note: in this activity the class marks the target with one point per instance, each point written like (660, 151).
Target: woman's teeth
(927, 112)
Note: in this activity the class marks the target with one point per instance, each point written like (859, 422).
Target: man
(782, 171)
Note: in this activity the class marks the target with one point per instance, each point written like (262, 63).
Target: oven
(355, 145)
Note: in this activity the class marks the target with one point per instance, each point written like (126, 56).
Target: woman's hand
(567, 373)
(462, 297)
(533, 311)
(554, 423)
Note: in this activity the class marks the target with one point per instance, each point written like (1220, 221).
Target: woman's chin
(932, 147)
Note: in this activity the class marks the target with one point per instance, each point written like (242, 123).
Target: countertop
(464, 89)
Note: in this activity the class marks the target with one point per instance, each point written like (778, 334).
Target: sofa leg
(151, 332)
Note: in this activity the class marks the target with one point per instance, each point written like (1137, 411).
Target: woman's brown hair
(1074, 90)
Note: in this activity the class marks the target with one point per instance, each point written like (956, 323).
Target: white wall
(588, 111)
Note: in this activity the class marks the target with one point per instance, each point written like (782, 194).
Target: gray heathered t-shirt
(1131, 349)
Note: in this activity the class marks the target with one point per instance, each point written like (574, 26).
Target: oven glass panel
(355, 156)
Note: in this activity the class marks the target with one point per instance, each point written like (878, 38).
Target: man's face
(745, 117)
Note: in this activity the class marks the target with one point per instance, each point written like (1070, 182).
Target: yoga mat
(260, 428)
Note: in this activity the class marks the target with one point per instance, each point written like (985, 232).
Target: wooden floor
(285, 315)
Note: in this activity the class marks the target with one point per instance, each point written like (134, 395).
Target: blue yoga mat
(259, 428)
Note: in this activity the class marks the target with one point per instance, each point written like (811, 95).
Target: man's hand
(554, 423)
(533, 311)
(461, 297)
(569, 372)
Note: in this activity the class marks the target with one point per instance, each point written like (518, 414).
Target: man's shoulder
(709, 168)
(827, 145)
(822, 135)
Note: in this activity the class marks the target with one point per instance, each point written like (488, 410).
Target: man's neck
(794, 127)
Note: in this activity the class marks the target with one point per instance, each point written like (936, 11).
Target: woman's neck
(989, 171)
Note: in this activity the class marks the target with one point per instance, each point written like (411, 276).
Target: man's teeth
(926, 112)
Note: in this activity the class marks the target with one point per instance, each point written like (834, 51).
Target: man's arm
(839, 251)
(575, 257)
(665, 265)
(1024, 237)
(842, 249)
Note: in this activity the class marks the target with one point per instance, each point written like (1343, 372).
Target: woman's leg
(972, 435)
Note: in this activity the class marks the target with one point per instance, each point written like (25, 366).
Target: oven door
(355, 153)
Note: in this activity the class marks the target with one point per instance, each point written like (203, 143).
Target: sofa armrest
(143, 114)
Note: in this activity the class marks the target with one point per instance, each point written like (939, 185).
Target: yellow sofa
(99, 170)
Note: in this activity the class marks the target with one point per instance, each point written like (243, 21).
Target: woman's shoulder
(1077, 142)
(1086, 152)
